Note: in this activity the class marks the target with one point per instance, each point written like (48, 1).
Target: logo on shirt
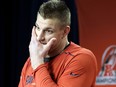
(107, 74)
(29, 79)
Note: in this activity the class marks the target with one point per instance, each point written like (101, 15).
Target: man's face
(47, 29)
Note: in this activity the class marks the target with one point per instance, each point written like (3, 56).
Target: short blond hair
(56, 9)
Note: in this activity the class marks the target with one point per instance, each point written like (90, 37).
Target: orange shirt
(74, 67)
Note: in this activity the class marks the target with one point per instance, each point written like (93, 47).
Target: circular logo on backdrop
(107, 74)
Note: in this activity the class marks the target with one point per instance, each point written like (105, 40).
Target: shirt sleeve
(21, 82)
(80, 72)
(22, 76)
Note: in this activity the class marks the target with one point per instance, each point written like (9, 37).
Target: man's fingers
(33, 34)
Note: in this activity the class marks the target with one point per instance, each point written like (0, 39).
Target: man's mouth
(44, 43)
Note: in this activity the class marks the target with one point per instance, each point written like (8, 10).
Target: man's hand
(37, 50)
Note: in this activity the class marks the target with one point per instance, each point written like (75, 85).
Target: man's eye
(49, 31)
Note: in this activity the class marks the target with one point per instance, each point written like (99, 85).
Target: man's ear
(66, 31)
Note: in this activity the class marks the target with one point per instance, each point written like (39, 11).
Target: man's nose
(40, 36)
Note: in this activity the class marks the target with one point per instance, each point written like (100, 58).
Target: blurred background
(93, 26)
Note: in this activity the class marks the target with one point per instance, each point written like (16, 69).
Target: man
(54, 61)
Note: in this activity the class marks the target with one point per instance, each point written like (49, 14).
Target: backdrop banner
(97, 32)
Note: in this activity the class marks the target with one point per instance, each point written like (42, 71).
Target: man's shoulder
(77, 49)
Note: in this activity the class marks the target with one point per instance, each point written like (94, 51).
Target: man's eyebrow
(47, 28)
